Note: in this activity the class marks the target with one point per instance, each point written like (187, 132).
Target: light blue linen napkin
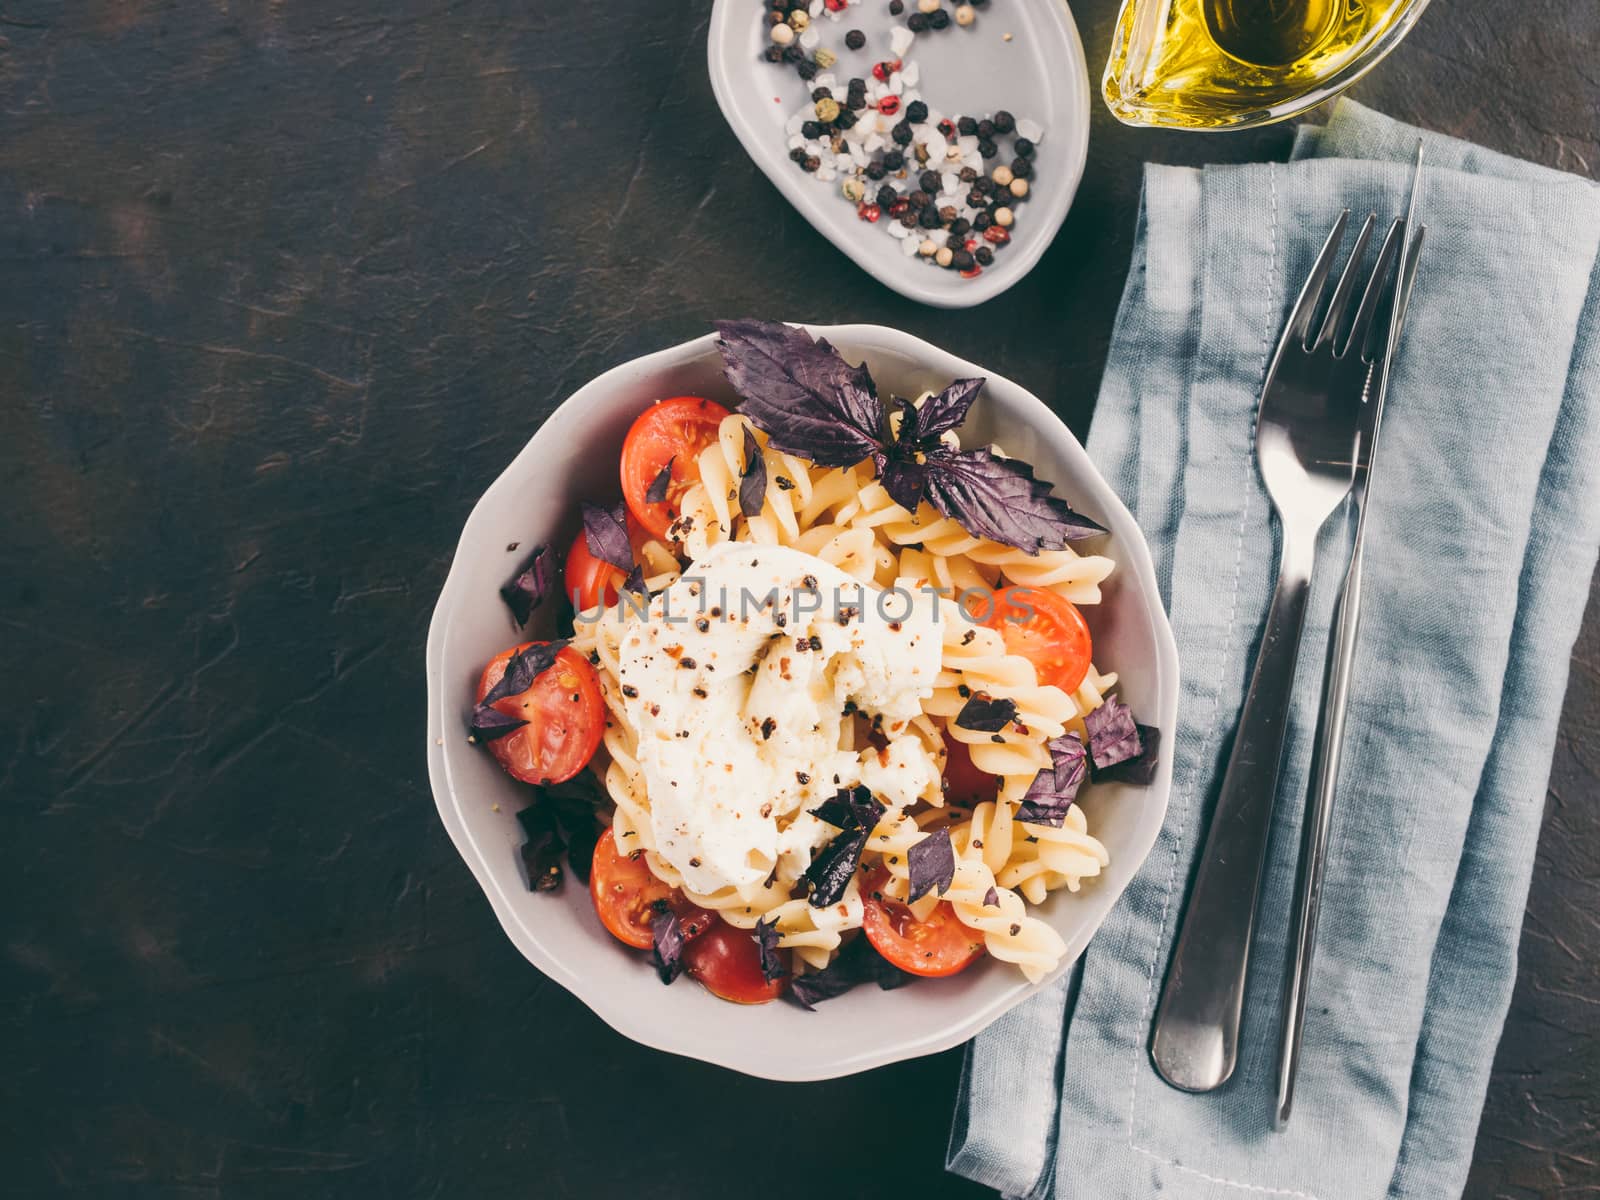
(1481, 543)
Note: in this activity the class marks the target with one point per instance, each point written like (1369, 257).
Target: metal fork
(1306, 441)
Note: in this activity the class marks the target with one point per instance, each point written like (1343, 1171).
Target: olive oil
(1212, 64)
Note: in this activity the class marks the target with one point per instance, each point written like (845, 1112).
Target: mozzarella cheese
(748, 683)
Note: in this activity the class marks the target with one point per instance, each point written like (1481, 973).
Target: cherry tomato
(940, 945)
(674, 430)
(593, 580)
(565, 718)
(1045, 629)
(727, 963)
(964, 783)
(627, 896)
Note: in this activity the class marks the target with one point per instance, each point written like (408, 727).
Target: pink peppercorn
(869, 212)
(996, 235)
(889, 105)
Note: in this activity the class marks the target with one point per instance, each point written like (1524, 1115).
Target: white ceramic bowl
(572, 457)
(1038, 74)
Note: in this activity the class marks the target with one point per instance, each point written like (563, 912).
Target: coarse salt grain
(810, 38)
(1031, 130)
(948, 182)
(900, 39)
(898, 230)
(908, 245)
(911, 73)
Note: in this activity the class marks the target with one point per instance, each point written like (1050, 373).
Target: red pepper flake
(900, 207)
(882, 70)
(889, 105)
(972, 272)
(836, 5)
(972, 243)
(996, 235)
(869, 212)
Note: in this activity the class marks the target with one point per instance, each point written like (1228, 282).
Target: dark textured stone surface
(282, 286)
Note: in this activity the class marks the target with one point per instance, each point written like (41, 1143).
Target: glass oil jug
(1228, 64)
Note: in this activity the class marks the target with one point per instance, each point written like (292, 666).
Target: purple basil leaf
(666, 945)
(945, 411)
(767, 946)
(656, 493)
(606, 533)
(834, 867)
(1113, 734)
(999, 499)
(541, 848)
(850, 809)
(524, 667)
(984, 713)
(487, 724)
(1055, 788)
(753, 483)
(530, 585)
(578, 806)
(932, 863)
(635, 582)
(991, 899)
(801, 393)
(905, 481)
(1140, 769)
(856, 963)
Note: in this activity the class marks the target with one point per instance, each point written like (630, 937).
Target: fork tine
(1299, 326)
(1346, 286)
(1378, 334)
(1377, 290)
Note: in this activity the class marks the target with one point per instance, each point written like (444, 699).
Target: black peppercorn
(807, 70)
(822, 93)
(901, 134)
(988, 149)
(1004, 121)
(961, 260)
(916, 112)
(798, 154)
(845, 120)
(875, 170)
(929, 181)
(917, 22)
(985, 130)
(855, 101)
(896, 7)
(909, 218)
(774, 18)
(886, 196)
(984, 255)
(930, 218)
(1022, 168)
(811, 129)
(893, 160)
(811, 163)
(982, 221)
(967, 126)
(968, 174)
(960, 226)
(773, 54)
(917, 199)
(939, 19)
(855, 39)
(793, 52)
(1023, 147)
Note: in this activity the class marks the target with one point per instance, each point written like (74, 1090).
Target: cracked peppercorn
(855, 39)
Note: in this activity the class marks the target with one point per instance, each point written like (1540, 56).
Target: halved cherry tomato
(727, 963)
(940, 945)
(564, 713)
(1045, 629)
(673, 431)
(627, 896)
(593, 580)
(964, 783)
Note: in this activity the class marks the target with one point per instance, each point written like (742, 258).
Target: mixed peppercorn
(946, 187)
